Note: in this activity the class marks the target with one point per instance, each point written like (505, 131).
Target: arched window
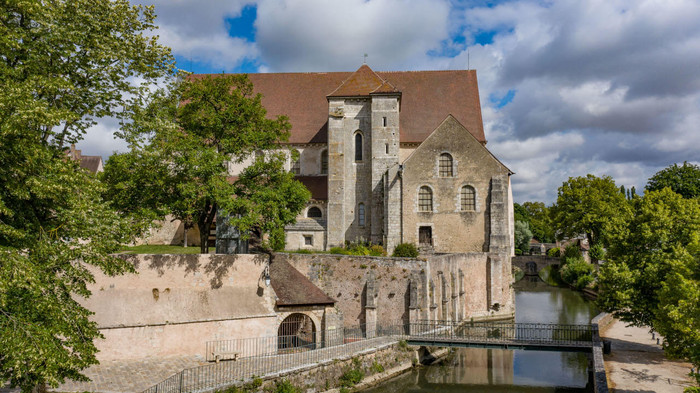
(358, 147)
(314, 212)
(445, 165)
(324, 162)
(468, 198)
(361, 214)
(425, 199)
(296, 167)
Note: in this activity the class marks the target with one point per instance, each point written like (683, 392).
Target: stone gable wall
(453, 230)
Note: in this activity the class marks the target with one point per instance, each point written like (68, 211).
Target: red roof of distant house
(427, 98)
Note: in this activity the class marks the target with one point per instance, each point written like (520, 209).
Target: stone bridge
(532, 264)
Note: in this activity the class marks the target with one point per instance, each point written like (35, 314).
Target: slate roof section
(427, 97)
(93, 164)
(293, 288)
(317, 185)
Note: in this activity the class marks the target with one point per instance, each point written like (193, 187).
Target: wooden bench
(224, 355)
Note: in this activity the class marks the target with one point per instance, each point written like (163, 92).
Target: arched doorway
(296, 332)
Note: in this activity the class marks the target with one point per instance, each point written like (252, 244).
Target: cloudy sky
(568, 87)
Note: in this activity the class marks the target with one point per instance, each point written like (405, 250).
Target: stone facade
(388, 291)
(378, 153)
(175, 304)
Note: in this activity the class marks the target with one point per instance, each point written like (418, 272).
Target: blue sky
(567, 87)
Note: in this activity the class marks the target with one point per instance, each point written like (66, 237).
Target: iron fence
(506, 333)
(297, 347)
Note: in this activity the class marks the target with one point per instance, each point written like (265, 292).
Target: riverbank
(638, 364)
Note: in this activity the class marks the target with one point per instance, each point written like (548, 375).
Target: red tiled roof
(427, 97)
(293, 288)
(361, 83)
(317, 185)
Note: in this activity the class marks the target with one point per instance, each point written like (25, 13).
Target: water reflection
(494, 370)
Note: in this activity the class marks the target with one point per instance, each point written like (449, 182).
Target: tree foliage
(523, 235)
(652, 273)
(592, 206)
(684, 180)
(540, 221)
(62, 64)
(190, 133)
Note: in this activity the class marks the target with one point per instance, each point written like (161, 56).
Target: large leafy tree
(191, 132)
(684, 180)
(592, 206)
(652, 274)
(62, 65)
(540, 221)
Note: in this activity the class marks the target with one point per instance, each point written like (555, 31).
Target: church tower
(363, 161)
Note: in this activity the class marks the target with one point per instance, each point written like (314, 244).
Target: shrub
(554, 252)
(377, 251)
(338, 250)
(597, 252)
(377, 368)
(577, 272)
(572, 251)
(518, 251)
(285, 386)
(405, 250)
(352, 377)
(303, 251)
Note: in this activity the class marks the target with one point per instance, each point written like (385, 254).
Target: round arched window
(314, 212)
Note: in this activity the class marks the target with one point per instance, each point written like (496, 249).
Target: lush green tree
(684, 180)
(540, 221)
(266, 199)
(521, 214)
(592, 206)
(652, 273)
(523, 235)
(188, 134)
(62, 64)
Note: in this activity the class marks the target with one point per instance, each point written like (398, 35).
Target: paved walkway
(637, 364)
(129, 376)
(138, 375)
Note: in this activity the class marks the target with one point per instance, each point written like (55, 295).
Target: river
(500, 370)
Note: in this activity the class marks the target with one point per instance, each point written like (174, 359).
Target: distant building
(93, 164)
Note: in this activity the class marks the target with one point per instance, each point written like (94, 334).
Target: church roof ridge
(360, 83)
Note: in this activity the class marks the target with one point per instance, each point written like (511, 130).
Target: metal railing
(266, 356)
(505, 333)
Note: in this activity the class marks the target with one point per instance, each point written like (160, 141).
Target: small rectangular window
(384, 121)
(308, 240)
(387, 148)
(361, 214)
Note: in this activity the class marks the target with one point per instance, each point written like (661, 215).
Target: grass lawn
(161, 249)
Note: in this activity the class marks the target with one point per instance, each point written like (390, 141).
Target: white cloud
(320, 35)
(198, 31)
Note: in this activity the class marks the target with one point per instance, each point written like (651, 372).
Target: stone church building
(390, 158)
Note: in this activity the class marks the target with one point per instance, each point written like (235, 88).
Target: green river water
(500, 370)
